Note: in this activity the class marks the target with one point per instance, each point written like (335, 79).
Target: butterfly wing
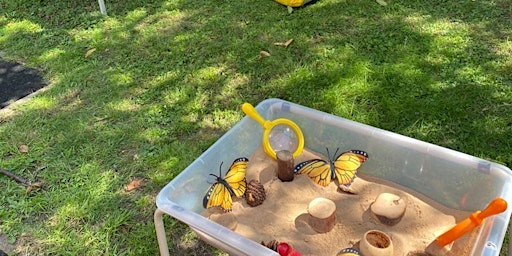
(317, 169)
(233, 184)
(235, 177)
(218, 195)
(346, 165)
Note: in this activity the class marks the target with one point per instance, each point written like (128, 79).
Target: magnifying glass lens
(282, 137)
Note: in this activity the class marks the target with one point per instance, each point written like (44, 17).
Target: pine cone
(255, 194)
(272, 245)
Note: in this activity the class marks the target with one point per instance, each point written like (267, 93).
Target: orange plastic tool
(496, 206)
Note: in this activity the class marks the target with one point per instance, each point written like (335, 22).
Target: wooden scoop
(496, 206)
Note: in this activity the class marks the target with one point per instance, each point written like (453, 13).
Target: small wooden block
(322, 214)
(285, 165)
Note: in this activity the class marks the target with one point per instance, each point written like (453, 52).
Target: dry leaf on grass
(134, 184)
(285, 44)
(32, 185)
(263, 54)
(89, 52)
(382, 2)
(23, 148)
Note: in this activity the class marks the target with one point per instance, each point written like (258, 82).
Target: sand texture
(283, 216)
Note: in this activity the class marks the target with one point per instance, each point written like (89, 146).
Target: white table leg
(103, 9)
(160, 232)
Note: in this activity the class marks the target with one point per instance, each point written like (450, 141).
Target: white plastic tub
(430, 170)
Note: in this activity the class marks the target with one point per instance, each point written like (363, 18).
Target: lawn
(139, 94)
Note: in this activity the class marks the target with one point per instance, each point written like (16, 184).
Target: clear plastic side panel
(190, 186)
(216, 234)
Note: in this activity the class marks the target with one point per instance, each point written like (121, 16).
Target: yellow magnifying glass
(279, 134)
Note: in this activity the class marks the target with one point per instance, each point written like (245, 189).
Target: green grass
(167, 78)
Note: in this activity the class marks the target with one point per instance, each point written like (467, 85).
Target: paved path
(17, 81)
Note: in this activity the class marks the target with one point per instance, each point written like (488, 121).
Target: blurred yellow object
(291, 3)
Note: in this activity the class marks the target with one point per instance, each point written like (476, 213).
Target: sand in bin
(283, 216)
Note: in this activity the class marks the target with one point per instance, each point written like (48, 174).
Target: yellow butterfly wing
(218, 195)
(233, 184)
(317, 169)
(346, 165)
(235, 176)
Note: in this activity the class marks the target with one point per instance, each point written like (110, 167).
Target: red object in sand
(285, 249)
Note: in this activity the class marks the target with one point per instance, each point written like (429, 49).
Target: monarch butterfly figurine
(342, 167)
(233, 184)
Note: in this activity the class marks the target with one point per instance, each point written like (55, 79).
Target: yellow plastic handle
(249, 110)
(267, 125)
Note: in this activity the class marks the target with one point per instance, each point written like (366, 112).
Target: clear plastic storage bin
(430, 170)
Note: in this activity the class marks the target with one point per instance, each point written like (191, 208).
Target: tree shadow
(170, 76)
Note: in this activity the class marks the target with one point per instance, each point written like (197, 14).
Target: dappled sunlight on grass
(13, 28)
(218, 120)
(119, 77)
(164, 23)
(167, 164)
(155, 134)
(41, 103)
(136, 15)
(168, 169)
(51, 55)
(160, 79)
(143, 91)
(445, 29)
(206, 76)
(80, 222)
(124, 105)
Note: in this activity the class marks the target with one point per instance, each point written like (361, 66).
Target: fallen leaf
(285, 44)
(288, 42)
(89, 52)
(23, 149)
(134, 184)
(29, 188)
(263, 54)
(382, 2)
(40, 168)
(36, 184)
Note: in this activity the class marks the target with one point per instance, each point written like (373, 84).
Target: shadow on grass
(142, 92)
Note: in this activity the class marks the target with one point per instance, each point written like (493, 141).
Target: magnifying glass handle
(251, 111)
